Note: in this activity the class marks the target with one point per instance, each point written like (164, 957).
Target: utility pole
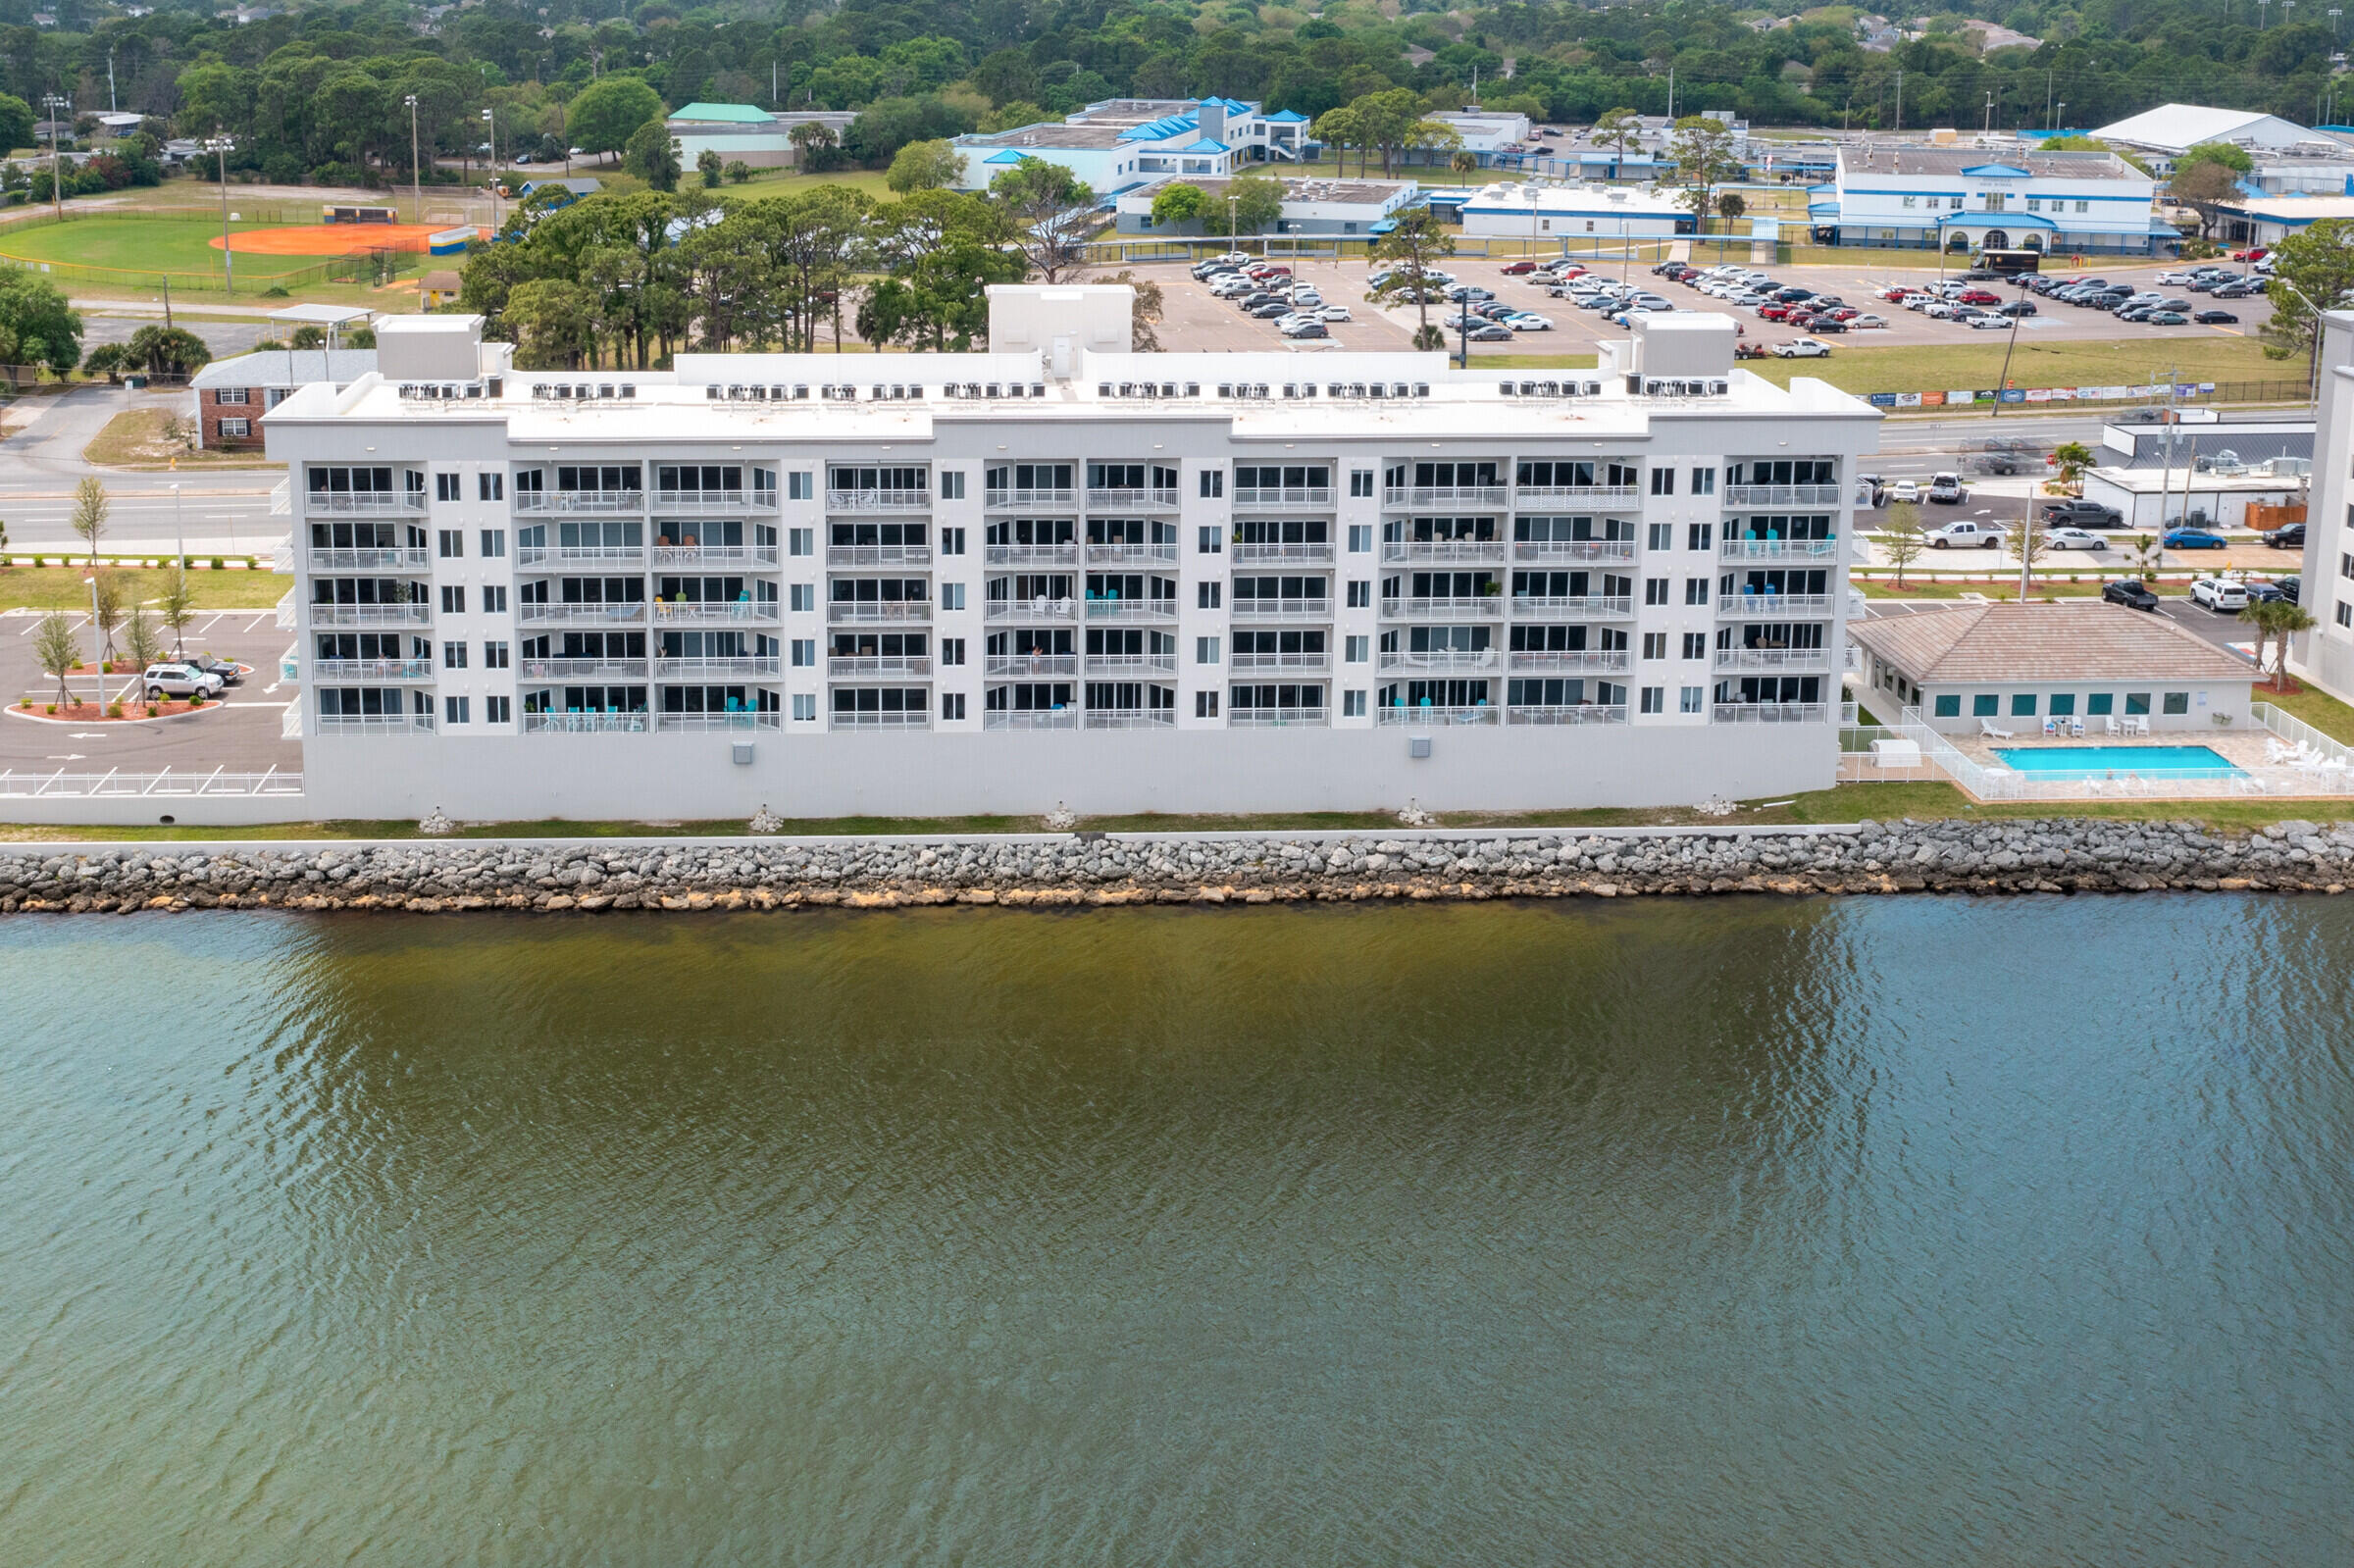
(416, 168)
(55, 105)
(490, 118)
(1990, 114)
(218, 145)
(1900, 104)
(110, 82)
(1671, 95)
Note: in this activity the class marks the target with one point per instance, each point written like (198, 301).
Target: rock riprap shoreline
(2048, 856)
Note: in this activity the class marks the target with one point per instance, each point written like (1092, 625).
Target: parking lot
(1194, 321)
(241, 736)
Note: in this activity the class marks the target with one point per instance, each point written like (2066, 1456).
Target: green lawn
(141, 247)
(49, 588)
(768, 183)
(2196, 355)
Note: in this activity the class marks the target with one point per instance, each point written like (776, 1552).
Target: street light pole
(57, 191)
(180, 532)
(416, 168)
(219, 146)
(490, 118)
(97, 647)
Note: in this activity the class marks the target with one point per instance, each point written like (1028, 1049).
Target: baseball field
(134, 250)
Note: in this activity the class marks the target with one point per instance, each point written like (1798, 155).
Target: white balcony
(282, 498)
(1130, 500)
(621, 611)
(879, 721)
(700, 503)
(1775, 659)
(544, 557)
(1256, 663)
(705, 723)
(391, 558)
(1445, 495)
(372, 669)
(1567, 713)
(697, 555)
(1430, 713)
(1530, 606)
(1019, 498)
(586, 724)
(376, 724)
(362, 502)
(1477, 551)
(290, 611)
(1130, 719)
(877, 500)
(1782, 495)
(1256, 554)
(1778, 549)
(1319, 609)
(1130, 609)
(1587, 551)
(1027, 610)
(736, 667)
(1030, 719)
(1771, 712)
(582, 669)
(1031, 666)
(1566, 662)
(1409, 662)
(865, 668)
(1474, 607)
(1032, 554)
(1102, 665)
(1140, 554)
(858, 555)
(1769, 605)
(598, 502)
(718, 612)
(358, 615)
(1317, 495)
(282, 557)
(886, 612)
(1279, 719)
(1604, 497)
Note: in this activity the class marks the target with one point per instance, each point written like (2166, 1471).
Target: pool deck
(2242, 749)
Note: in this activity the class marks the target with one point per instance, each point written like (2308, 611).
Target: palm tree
(2259, 616)
(2288, 620)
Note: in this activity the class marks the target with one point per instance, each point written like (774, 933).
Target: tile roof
(2004, 644)
(741, 113)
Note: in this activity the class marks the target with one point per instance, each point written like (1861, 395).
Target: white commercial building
(1967, 198)
(928, 584)
(2173, 129)
(1121, 143)
(2326, 654)
(1547, 212)
(745, 133)
(1310, 206)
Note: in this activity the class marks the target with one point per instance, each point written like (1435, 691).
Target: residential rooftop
(2011, 644)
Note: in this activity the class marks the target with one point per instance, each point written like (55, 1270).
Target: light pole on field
(219, 146)
(416, 166)
(55, 105)
(491, 119)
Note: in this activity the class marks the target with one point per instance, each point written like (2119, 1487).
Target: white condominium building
(945, 583)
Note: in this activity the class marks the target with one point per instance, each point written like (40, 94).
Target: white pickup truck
(1965, 535)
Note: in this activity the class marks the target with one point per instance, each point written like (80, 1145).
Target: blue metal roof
(1008, 156)
(1288, 117)
(1207, 145)
(1161, 129)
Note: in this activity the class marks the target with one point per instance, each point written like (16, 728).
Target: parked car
(2192, 539)
(1947, 490)
(163, 680)
(1300, 330)
(2287, 536)
(2167, 318)
(1521, 268)
(1470, 292)
(2238, 291)
(1492, 333)
(1824, 324)
(2082, 514)
(2074, 539)
(1802, 348)
(1903, 491)
(1334, 312)
(1528, 322)
(1988, 323)
(1866, 323)
(2292, 588)
(2220, 594)
(230, 671)
(1980, 296)
(2215, 318)
(1272, 309)
(2018, 307)
(1870, 491)
(2264, 593)
(2131, 592)
(1966, 534)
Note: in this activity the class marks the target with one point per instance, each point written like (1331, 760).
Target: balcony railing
(1432, 713)
(856, 555)
(363, 501)
(720, 666)
(1772, 604)
(1117, 664)
(1029, 609)
(1279, 719)
(1440, 658)
(1122, 499)
(1473, 607)
(888, 611)
(342, 614)
(1773, 659)
(376, 724)
(290, 610)
(1771, 712)
(1130, 719)
(1473, 550)
(580, 501)
(1525, 605)
(1608, 498)
(1130, 609)
(716, 612)
(581, 669)
(621, 611)
(1582, 661)
(1252, 663)
(699, 723)
(1776, 549)
(1030, 719)
(1782, 495)
(1031, 666)
(391, 558)
(1584, 550)
(1112, 553)
(1567, 713)
(282, 557)
(1261, 554)
(877, 500)
(715, 555)
(1016, 497)
(701, 502)
(1032, 554)
(282, 498)
(880, 721)
(372, 669)
(632, 556)
(586, 724)
(1319, 609)
(1445, 495)
(1282, 495)
(868, 666)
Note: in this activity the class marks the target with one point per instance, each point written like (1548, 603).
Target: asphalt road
(223, 513)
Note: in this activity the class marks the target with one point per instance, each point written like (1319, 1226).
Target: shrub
(114, 710)
(195, 699)
(275, 292)
(52, 708)
(25, 703)
(151, 710)
(217, 565)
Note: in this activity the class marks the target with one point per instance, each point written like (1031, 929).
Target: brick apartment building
(232, 394)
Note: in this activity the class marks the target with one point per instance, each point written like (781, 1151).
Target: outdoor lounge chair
(1988, 730)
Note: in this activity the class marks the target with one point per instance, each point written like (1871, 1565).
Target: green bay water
(1907, 1230)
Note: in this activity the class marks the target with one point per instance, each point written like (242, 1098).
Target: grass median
(2193, 354)
(49, 588)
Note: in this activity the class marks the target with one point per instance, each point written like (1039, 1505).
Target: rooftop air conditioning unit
(629, 389)
(711, 391)
(1508, 388)
(1038, 388)
(605, 389)
(1168, 389)
(990, 390)
(802, 392)
(1102, 388)
(1377, 390)
(1225, 388)
(1421, 388)
(1193, 389)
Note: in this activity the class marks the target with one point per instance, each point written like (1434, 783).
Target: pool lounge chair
(1988, 730)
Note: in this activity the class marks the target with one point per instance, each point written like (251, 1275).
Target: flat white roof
(321, 315)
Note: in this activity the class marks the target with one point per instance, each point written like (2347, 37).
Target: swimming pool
(2105, 762)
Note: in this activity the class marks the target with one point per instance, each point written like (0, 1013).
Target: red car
(2251, 254)
(1773, 313)
(1980, 296)
(1845, 313)
(1519, 269)
(1894, 294)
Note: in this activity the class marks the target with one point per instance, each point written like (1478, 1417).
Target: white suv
(2220, 594)
(179, 681)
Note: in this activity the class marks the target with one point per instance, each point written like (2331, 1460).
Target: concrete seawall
(1083, 870)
